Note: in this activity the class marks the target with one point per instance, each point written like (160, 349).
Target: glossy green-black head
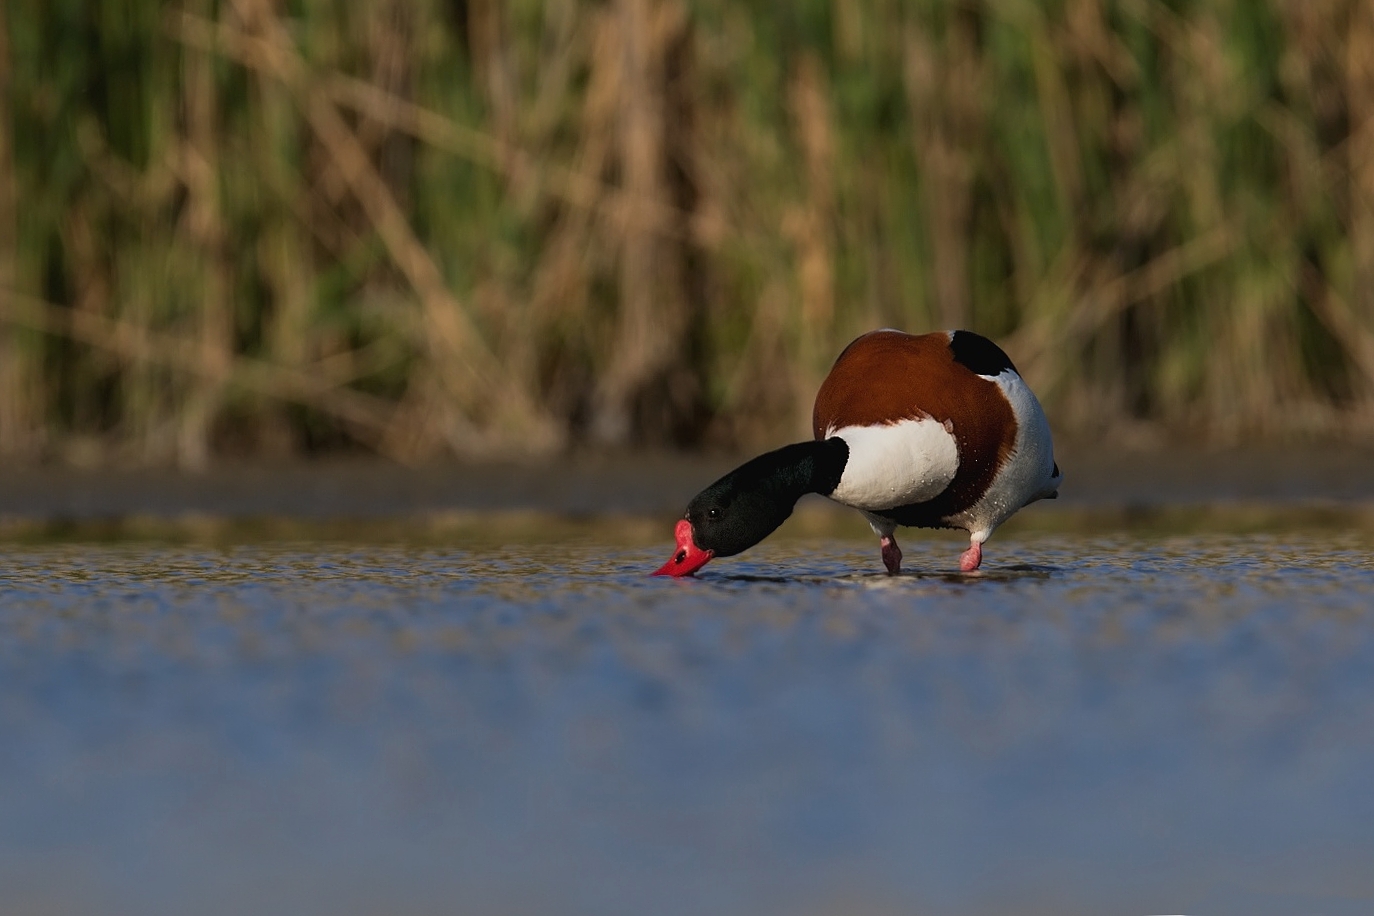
(748, 504)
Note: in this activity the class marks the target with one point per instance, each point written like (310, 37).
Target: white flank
(1028, 474)
(896, 464)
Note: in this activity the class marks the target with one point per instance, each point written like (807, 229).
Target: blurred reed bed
(484, 227)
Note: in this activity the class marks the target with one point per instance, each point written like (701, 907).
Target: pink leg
(892, 555)
(969, 559)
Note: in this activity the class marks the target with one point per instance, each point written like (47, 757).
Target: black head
(735, 513)
(748, 504)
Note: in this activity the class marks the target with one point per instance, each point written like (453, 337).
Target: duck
(932, 430)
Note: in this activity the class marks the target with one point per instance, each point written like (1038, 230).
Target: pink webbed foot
(892, 555)
(969, 559)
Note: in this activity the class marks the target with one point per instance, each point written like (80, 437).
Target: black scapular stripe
(980, 355)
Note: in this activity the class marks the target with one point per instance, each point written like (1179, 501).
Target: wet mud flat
(1167, 489)
(1120, 717)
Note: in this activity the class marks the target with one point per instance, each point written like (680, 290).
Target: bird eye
(714, 513)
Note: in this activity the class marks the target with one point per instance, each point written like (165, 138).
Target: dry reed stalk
(284, 252)
(1344, 323)
(637, 341)
(1253, 374)
(561, 299)
(83, 242)
(562, 49)
(651, 316)
(1056, 111)
(148, 404)
(810, 226)
(944, 94)
(1092, 40)
(214, 319)
(1114, 294)
(390, 43)
(365, 415)
(19, 420)
(490, 44)
(1164, 176)
(579, 187)
(473, 381)
(757, 384)
(1044, 346)
(1359, 75)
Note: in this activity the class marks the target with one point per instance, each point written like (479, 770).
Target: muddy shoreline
(645, 485)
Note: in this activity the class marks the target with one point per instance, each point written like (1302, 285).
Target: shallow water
(1097, 725)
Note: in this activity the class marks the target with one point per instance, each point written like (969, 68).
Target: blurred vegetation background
(492, 227)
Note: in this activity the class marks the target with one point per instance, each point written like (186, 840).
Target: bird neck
(789, 473)
(749, 503)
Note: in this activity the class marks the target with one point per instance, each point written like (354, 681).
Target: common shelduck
(928, 431)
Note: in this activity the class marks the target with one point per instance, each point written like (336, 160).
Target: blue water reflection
(1098, 725)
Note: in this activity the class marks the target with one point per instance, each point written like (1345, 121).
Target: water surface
(1100, 724)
